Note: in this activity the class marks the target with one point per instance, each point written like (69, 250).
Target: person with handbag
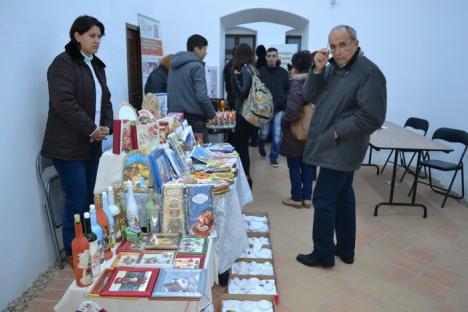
(301, 175)
(242, 77)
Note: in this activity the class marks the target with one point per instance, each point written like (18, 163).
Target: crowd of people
(348, 90)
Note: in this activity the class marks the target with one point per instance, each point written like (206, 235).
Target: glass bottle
(96, 228)
(132, 208)
(93, 246)
(152, 218)
(104, 223)
(81, 257)
(110, 218)
(115, 211)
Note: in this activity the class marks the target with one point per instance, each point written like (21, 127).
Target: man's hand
(320, 60)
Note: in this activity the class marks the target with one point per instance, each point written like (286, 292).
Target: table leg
(392, 188)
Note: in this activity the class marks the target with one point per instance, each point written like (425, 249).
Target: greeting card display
(200, 215)
(173, 209)
(189, 262)
(180, 283)
(126, 259)
(162, 241)
(137, 169)
(160, 167)
(100, 283)
(201, 154)
(157, 259)
(131, 282)
(145, 137)
(192, 245)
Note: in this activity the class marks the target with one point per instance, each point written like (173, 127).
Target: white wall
(418, 44)
(33, 33)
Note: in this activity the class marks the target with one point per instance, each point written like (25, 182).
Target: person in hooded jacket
(79, 118)
(186, 86)
(301, 174)
(157, 80)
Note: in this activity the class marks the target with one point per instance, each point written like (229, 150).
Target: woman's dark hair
(260, 51)
(301, 61)
(196, 41)
(243, 55)
(82, 24)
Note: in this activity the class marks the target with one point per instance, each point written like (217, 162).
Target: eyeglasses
(342, 47)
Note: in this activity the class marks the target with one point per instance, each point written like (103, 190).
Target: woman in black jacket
(80, 117)
(242, 68)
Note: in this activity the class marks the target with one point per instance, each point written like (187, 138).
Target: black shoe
(345, 259)
(312, 261)
(223, 279)
(261, 150)
(274, 163)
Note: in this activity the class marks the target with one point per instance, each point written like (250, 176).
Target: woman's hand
(100, 134)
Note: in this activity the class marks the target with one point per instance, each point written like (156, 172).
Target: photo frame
(126, 259)
(176, 165)
(160, 167)
(176, 146)
(201, 154)
(180, 283)
(101, 282)
(157, 259)
(137, 246)
(163, 241)
(131, 282)
(192, 245)
(189, 261)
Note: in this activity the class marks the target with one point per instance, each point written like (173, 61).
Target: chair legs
(446, 191)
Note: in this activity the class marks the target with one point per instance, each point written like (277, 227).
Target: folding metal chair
(453, 136)
(417, 124)
(53, 200)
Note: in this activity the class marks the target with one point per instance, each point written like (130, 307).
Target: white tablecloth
(74, 295)
(232, 236)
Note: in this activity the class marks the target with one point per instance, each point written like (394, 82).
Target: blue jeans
(302, 177)
(275, 126)
(335, 211)
(77, 178)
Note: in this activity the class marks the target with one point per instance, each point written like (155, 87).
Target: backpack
(258, 107)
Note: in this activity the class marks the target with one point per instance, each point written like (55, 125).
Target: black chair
(53, 200)
(417, 124)
(453, 136)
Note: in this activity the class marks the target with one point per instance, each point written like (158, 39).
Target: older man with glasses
(351, 100)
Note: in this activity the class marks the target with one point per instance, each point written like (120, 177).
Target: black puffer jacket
(277, 81)
(290, 146)
(72, 105)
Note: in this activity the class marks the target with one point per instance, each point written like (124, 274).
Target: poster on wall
(211, 73)
(285, 53)
(151, 45)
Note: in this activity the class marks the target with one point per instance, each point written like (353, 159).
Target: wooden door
(135, 88)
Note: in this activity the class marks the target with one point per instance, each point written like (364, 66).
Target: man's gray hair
(350, 30)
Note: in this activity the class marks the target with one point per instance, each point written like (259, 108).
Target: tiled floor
(403, 262)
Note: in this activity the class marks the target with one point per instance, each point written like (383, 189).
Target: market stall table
(231, 240)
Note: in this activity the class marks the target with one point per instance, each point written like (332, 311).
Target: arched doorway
(298, 23)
